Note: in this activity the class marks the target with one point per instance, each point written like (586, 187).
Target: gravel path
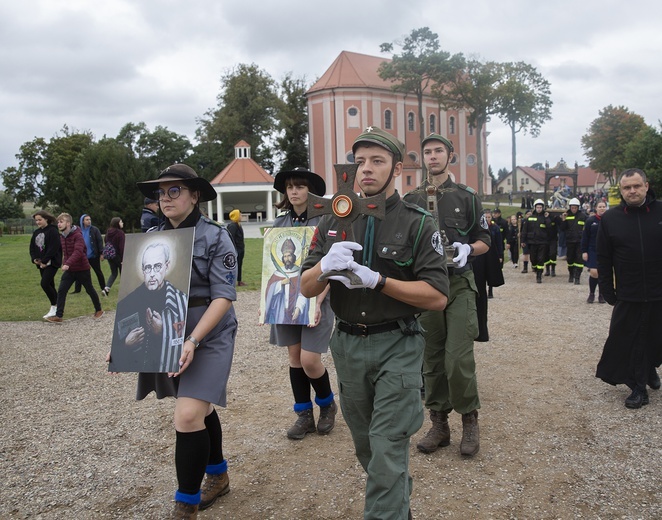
(555, 441)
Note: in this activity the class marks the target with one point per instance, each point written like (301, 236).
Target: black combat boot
(578, 273)
(547, 269)
(553, 270)
(539, 276)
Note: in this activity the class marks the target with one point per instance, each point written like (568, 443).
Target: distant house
(244, 185)
(530, 179)
(350, 96)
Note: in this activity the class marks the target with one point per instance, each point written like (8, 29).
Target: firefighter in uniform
(377, 345)
(572, 223)
(449, 367)
(552, 245)
(535, 235)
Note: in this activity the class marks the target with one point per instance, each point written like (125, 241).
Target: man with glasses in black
(151, 319)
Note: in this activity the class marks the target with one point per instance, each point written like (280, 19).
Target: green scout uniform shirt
(407, 246)
(459, 211)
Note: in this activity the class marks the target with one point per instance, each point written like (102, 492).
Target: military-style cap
(377, 136)
(438, 137)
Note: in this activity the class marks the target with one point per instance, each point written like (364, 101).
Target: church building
(350, 96)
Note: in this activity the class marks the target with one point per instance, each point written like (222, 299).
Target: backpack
(109, 252)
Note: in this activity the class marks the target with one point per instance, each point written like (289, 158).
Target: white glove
(369, 278)
(339, 256)
(463, 251)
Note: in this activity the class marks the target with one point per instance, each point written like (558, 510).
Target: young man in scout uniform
(377, 346)
(449, 367)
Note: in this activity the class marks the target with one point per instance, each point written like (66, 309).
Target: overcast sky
(99, 65)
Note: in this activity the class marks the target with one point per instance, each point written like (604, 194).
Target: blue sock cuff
(324, 402)
(217, 469)
(300, 407)
(188, 499)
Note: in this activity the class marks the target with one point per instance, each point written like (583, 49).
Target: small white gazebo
(244, 185)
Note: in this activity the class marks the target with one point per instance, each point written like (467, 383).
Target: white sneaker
(52, 312)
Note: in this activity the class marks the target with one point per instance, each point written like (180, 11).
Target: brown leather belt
(359, 329)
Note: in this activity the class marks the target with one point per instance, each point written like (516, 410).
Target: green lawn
(21, 297)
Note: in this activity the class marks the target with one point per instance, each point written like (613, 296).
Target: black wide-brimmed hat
(318, 186)
(178, 172)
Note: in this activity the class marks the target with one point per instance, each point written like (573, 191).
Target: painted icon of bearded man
(284, 303)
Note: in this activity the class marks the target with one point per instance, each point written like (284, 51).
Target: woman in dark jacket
(46, 254)
(115, 237)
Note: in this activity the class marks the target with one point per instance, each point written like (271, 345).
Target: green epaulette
(467, 188)
(417, 208)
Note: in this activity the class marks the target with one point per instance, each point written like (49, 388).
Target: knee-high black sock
(213, 424)
(191, 456)
(592, 284)
(300, 385)
(322, 386)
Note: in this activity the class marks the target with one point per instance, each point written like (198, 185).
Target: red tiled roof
(585, 176)
(351, 69)
(243, 171)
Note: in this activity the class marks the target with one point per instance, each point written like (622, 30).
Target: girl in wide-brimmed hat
(305, 342)
(207, 351)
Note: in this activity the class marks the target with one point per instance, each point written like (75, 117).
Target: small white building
(244, 185)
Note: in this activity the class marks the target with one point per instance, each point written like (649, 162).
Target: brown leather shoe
(470, 443)
(184, 511)
(54, 319)
(213, 487)
(98, 314)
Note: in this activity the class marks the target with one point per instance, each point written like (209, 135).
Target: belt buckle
(363, 328)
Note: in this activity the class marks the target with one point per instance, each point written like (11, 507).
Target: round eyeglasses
(173, 192)
(147, 269)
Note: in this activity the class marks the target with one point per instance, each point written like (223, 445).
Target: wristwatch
(471, 250)
(195, 342)
(381, 283)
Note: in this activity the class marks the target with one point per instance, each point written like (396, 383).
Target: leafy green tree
(105, 184)
(25, 182)
(645, 151)
(44, 173)
(156, 150)
(248, 105)
(607, 138)
(420, 65)
(292, 144)
(473, 88)
(59, 164)
(9, 207)
(523, 103)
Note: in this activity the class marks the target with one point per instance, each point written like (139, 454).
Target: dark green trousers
(379, 381)
(449, 367)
